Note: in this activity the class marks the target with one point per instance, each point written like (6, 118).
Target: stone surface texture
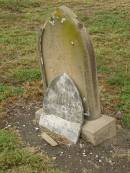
(67, 129)
(63, 109)
(97, 131)
(63, 100)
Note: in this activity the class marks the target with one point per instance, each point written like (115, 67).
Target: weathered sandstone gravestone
(66, 52)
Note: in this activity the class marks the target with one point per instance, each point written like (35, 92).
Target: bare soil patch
(111, 156)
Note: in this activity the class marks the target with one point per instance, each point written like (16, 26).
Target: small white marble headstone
(63, 110)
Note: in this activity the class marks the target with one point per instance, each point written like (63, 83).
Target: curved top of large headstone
(66, 48)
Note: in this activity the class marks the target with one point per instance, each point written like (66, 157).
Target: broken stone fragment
(63, 110)
(48, 139)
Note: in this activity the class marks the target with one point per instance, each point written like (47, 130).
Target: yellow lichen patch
(70, 31)
(58, 13)
(72, 35)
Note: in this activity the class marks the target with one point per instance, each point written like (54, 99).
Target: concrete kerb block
(99, 130)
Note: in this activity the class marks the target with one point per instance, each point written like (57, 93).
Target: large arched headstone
(68, 68)
(65, 47)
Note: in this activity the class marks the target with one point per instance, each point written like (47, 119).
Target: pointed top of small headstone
(68, 11)
(62, 99)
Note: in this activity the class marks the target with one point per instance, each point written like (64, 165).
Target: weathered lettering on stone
(63, 110)
(62, 99)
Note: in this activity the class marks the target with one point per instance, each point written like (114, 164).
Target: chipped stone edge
(70, 130)
(99, 130)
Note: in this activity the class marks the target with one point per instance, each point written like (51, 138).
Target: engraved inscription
(62, 99)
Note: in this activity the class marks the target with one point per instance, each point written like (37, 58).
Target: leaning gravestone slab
(63, 110)
(65, 47)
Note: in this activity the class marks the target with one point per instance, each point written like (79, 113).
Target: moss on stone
(58, 13)
(71, 33)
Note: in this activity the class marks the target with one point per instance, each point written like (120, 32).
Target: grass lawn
(108, 23)
(14, 158)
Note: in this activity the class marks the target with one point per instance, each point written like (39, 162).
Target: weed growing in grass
(122, 80)
(119, 79)
(126, 121)
(103, 69)
(125, 97)
(24, 75)
(9, 91)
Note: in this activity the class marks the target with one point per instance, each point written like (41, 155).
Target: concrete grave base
(67, 129)
(94, 131)
(97, 131)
